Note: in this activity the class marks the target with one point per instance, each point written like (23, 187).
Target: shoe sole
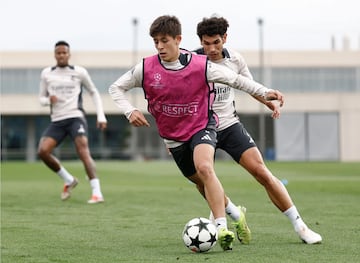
(312, 243)
(95, 202)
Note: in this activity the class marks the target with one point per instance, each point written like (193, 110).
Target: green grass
(148, 203)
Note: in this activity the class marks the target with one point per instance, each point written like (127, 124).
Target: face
(213, 46)
(62, 55)
(167, 47)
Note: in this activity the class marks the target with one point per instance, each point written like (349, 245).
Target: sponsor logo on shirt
(222, 93)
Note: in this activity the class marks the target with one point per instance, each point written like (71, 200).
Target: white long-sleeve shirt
(215, 73)
(67, 83)
(224, 104)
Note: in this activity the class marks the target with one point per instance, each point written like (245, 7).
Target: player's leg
(253, 162)
(183, 156)
(203, 144)
(237, 142)
(230, 208)
(83, 151)
(45, 149)
(231, 141)
(78, 131)
(53, 136)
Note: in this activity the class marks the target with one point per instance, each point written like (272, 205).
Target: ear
(178, 39)
(224, 38)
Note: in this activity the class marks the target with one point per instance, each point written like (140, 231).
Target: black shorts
(235, 140)
(183, 154)
(73, 127)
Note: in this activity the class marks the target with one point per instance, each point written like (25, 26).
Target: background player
(61, 87)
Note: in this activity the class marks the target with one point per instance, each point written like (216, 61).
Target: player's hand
(138, 119)
(275, 95)
(53, 99)
(168, 151)
(275, 108)
(101, 125)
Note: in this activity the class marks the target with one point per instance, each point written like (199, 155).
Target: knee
(204, 168)
(42, 152)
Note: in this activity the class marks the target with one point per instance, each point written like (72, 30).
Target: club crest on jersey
(157, 81)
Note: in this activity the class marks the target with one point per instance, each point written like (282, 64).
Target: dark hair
(62, 43)
(212, 26)
(165, 25)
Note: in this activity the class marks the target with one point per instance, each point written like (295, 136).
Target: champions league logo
(156, 83)
(157, 77)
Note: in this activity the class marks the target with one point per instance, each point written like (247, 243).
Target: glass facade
(19, 134)
(315, 79)
(20, 81)
(342, 79)
(13, 137)
(26, 81)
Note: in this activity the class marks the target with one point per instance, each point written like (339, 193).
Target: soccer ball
(199, 235)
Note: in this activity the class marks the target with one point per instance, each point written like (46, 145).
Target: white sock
(65, 175)
(220, 222)
(232, 210)
(95, 186)
(295, 218)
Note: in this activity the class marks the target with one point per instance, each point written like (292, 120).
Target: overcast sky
(107, 24)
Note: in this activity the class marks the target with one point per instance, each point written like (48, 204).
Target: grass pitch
(148, 203)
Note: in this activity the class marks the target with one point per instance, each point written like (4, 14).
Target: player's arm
(46, 98)
(244, 71)
(117, 90)
(221, 74)
(243, 67)
(272, 105)
(87, 82)
(101, 122)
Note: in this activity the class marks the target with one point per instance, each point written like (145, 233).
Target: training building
(320, 120)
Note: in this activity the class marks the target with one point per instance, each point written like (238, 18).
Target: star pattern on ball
(202, 225)
(195, 241)
(212, 238)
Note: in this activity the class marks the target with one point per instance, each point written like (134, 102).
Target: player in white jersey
(233, 137)
(194, 157)
(61, 88)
